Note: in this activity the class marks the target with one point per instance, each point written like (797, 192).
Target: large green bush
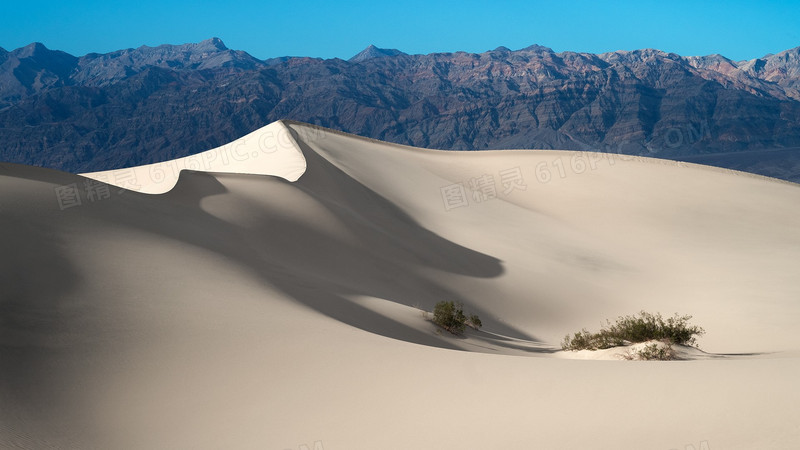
(632, 329)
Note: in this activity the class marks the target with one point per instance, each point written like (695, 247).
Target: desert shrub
(652, 352)
(656, 352)
(450, 316)
(475, 321)
(632, 329)
(584, 340)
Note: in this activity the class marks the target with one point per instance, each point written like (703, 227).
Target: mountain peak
(792, 53)
(39, 55)
(214, 43)
(536, 48)
(32, 49)
(375, 52)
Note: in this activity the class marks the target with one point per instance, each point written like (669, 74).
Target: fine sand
(270, 293)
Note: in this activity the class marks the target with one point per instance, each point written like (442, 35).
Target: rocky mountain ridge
(149, 104)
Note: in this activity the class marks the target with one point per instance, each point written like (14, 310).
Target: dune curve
(270, 150)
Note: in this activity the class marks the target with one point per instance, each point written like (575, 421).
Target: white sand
(270, 150)
(250, 311)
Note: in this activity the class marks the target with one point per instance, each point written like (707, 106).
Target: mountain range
(150, 104)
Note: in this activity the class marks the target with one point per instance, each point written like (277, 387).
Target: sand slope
(270, 150)
(278, 305)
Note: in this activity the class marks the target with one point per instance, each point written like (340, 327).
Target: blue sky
(736, 29)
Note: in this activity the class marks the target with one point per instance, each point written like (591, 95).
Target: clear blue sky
(736, 29)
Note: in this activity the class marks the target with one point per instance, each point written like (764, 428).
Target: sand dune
(275, 300)
(270, 150)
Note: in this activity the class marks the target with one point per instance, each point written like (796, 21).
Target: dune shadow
(320, 271)
(527, 346)
(39, 318)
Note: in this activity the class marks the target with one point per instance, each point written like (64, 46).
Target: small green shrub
(656, 352)
(633, 329)
(475, 321)
(652, 352)
(450, 316)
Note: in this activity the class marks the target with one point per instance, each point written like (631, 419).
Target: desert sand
(275, 299)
